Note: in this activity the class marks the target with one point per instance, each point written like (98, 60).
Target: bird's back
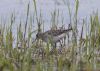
(53, 35)
(57, 32)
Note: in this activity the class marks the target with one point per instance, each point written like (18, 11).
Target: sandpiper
(53, 36)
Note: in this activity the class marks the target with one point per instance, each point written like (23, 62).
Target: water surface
(46, 7)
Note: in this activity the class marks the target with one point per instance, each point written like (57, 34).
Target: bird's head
(38, 35)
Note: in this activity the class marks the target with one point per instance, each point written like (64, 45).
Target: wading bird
(53, 36)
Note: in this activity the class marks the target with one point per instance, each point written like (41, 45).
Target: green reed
(26, 55)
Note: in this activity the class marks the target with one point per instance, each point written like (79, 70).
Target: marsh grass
(26, 55)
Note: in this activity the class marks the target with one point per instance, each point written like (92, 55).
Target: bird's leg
(68, 39)
(60, 45)
(64, 40)
(54, 45)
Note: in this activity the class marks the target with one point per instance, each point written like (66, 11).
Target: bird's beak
(34, 40)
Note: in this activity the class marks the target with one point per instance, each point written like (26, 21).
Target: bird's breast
(59, 37)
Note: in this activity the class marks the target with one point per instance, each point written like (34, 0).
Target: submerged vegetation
(82, 53)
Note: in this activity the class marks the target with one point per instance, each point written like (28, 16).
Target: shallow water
(46, 7)
(19, 7)
(86, 7)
